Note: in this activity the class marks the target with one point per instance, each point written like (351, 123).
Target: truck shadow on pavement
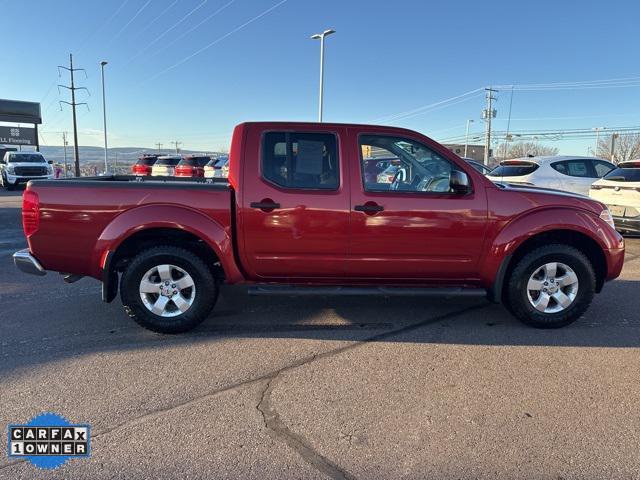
(55, 330)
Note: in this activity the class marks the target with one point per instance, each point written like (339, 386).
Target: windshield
(624, 175)
(513, 169)
(26, 158)
(146, 161)
(172, 162)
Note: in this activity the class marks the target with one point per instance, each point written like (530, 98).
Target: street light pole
(104, 118)
(321, 37)
(466, 138)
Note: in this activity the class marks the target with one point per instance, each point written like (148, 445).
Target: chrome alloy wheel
(167, 290)
(552, 288)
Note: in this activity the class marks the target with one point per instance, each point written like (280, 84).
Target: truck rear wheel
(551, 287)
(168, 290)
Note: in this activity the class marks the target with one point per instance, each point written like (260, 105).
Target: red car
(144, 164)
(297, 215)
(192, 166)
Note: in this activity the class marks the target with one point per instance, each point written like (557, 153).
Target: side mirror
(459, 182)
(50, 162)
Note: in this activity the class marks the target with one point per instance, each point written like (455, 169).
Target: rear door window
(574, 168)
(301, 160)
(514, 169)
(602, 168)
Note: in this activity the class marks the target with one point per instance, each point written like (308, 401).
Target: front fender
(166, 216)
(513, 234)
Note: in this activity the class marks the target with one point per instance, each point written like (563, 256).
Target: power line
(140, 32)
(166, 32)
(218, 40)
(102, 25)
(117, 35)
(206, 19)
(424, 108)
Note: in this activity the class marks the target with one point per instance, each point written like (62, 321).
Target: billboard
(20, 112)
(17, 136)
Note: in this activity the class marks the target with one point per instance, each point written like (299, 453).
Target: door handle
(368, 208)
(266, 205)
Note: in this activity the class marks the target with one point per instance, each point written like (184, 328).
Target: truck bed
(77, 215)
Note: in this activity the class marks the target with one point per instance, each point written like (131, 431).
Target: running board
(295, 290)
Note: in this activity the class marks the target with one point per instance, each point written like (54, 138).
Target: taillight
(30, 212)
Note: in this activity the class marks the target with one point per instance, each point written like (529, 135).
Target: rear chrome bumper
(28, 263)
(626, 224)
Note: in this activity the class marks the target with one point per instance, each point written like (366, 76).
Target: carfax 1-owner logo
(49, 440)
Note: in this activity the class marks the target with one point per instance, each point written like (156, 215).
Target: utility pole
(613, 147)
(64, 145)
(487, 115)
(159, 145)
(73, 104)
(466, 138)
(597, 130)
(104, 117)
(176, 143)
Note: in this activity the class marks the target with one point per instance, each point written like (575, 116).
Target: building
(475, 152)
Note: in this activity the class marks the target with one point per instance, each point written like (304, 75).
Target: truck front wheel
(168, 289)
(551, 286)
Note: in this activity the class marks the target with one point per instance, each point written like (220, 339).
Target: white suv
(620, 191)
(567, 173)
(20, 167)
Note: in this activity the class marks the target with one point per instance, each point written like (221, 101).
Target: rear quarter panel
(80, 221)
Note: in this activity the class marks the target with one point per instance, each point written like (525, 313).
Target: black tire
(516, 294)
(206, 289)
(6, 184)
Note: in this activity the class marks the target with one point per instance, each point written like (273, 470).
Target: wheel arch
(579, 240)
(147, 226)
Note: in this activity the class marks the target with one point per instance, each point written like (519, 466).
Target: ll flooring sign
(17, 136)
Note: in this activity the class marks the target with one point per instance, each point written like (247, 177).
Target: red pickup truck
(298, 215)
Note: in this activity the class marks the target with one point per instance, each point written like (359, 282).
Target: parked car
(144, 165)
(567, 173)
(620, 191)
(165, 166)
(20, 167)
(388, 174)
(217, 168)
(192, 166)
(373, 167)
(481, 167)
(296, 217)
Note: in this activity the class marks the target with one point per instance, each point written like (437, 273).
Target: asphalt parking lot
(322, 387)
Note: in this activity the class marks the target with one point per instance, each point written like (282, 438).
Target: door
(577, 175)
(407, 224)
(295, 207)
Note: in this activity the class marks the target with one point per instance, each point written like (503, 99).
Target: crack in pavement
(271, 418)
(277, 429)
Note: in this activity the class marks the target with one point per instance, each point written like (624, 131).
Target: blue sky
(192, 79)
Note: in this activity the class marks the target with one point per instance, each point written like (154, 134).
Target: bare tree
(626, 147)
(523, 149)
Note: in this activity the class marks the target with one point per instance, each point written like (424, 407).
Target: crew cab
(298, 215)
(19, 167)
